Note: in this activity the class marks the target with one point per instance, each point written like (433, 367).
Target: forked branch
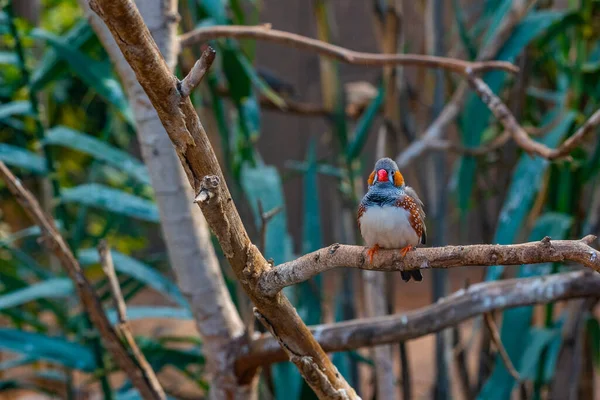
(337, 255)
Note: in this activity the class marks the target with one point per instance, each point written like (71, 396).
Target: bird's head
(386, 172)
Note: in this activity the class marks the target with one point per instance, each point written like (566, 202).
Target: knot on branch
(208, 189)
(252, 269)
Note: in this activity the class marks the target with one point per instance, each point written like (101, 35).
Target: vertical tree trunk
(185, 231)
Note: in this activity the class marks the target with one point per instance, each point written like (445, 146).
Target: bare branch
(200, 68)
(199, 161)
(264, 32)
(337, 255)
(454, 309)
(507, 119)
(265, 217)
(491, 325)
(91, 304)
(108, 267)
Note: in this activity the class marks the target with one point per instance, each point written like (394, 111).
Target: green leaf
(364, 125)
(262, 183)
(50, 289)
(538, 340)
(52, 349)
(462, 30)
(259, 82)
(239, 83)
(476, 116)
(215, 9)
(85, 143)
(95, 74)
(525, 183)
(51, 65)
(8, 57)
(138, 312)
(593, 330)
(138, 270)
(19, 107)
(516, 322)
(117, 201)
(19, 157)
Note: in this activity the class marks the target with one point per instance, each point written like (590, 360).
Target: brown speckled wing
(417, 215)
(361, 211)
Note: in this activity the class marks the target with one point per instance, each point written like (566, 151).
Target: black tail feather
(416, 275)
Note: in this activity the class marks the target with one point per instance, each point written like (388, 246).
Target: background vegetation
(68, 130)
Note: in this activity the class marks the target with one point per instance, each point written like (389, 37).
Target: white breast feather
(387, 226)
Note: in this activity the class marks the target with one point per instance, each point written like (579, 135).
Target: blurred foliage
(67, 129)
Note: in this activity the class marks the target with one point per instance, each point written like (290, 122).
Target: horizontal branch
(334, 256)
(450, 311)
(264, 32)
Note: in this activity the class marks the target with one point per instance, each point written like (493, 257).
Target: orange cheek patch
(371, 178)
(398, 179)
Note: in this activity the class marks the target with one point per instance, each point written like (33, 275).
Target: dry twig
(198, 159)
(450, 311)
(200, 68)
(491, 325)
(264, 32)
(122, 326)
(54, 242)
(334, 256)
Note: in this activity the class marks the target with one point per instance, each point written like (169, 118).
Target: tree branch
(264, 32)
(491, 325)
(90, 302)
(200, 68)
(523, 140)
(334, 256)
(122, 325)
(198, 159)
(450, 311)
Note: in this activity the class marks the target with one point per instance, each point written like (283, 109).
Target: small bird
(391, 214)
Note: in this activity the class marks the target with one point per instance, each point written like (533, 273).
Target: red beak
(382, 175)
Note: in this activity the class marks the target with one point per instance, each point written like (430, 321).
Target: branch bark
(191, 253)
(450, 311)
(191, 143)
(264, 32)
(337, 255)
(85, 291)
(122, 326)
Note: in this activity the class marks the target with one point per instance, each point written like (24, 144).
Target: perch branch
(450, 311)
(200, 164)
(264, 32)
(122, 326)
(200, 68)
(491, 325)
(507, 119)
(91, 304)
(334, 256)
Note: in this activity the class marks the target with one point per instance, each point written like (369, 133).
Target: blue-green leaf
(537, 340)
(52, 349)
(476, 116)
(138, 270)
(95, 74)
(19, 157)
(83, 142)
(18, 107)
(8, 57)
(526, 180)
(364, 125)
(140, 312)
(262, 183)
(259, 82)
(117, 201)
(49, 289)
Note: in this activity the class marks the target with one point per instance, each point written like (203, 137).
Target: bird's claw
(405, 250)
(371, 252)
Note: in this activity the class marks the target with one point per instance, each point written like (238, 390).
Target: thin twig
(264, 32)
(491, 325)
(85, 291)
(200, 68)
(523, 140)
(334, 256)
(449, 311)
(122, 325)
